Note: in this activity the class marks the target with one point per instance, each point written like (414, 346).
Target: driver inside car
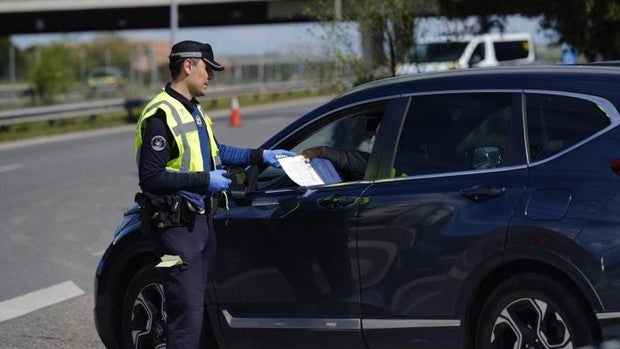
(350, 163)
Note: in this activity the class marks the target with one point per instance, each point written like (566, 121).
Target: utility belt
(159, 212)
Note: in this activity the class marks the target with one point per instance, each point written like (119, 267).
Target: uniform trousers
(185, 284)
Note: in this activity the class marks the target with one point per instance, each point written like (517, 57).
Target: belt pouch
(188, 213)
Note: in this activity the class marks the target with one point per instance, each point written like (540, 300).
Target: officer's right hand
(217, 181)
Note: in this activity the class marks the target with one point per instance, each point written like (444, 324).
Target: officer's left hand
(271, 156)
(217, 181)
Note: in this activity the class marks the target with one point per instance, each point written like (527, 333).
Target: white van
(486, 50)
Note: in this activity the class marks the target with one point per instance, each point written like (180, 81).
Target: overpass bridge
(65, 16)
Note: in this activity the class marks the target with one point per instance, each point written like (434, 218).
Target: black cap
(195, 49)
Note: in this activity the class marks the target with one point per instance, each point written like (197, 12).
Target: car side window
(346, 133)
(555, 123)
(454, 132)
(511, 50)
(350, 136)
(478, 55)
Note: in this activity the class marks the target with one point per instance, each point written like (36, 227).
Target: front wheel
(535, 311)
(143, 317)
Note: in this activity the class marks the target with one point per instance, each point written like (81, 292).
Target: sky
(230, 40)
(261, 39)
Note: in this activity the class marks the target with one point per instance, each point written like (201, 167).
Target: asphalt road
(61, 199)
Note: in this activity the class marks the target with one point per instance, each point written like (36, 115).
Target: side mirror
(238, 186)
(486, 157)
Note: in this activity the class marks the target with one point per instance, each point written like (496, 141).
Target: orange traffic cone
(235, 114)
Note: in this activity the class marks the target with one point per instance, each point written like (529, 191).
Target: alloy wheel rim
(532, 324)
(148, 317)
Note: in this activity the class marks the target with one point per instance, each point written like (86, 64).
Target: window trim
(453, 174)
(330, 113)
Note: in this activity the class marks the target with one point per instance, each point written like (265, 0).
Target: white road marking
(11, 167)
(32, 301)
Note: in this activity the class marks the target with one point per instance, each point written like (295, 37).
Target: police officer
(179, 168)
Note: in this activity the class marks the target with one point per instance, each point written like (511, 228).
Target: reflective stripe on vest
(182, 125)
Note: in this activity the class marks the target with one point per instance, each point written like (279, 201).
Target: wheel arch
(124, 259)
(551, 266)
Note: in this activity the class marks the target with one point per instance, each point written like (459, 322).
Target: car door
(286, 273)
(437, 215)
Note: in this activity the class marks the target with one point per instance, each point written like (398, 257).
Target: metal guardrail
(61, 111)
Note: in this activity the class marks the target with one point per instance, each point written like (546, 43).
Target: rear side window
(555, 123)
(511, 50)
(454, 132)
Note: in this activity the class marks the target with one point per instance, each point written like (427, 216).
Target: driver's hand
(314, 152)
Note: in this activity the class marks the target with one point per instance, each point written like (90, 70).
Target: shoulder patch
(158, 143)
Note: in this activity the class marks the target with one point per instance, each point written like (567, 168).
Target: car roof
(441, 39)
(570, 78)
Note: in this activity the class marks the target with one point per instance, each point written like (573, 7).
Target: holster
(159, 212)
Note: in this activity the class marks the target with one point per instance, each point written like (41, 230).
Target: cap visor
(214, 65)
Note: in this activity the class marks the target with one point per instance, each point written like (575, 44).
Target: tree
(106, 50)
(51, 70)
(5, 46)
(386, 29)
(591, 26)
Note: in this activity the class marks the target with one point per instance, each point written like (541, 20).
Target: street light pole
(12, 63)
(338, 9)
(174, 21)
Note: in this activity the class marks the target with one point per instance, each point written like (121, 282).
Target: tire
(535, 311)
(143, 317)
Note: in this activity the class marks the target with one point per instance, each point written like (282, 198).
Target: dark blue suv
(488, 216)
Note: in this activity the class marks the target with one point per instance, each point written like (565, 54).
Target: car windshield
(436, 52)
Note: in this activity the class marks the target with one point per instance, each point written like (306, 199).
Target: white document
(316, 172)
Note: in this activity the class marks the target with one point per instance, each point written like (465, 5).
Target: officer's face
(199, 78)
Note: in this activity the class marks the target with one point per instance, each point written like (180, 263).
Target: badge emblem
(198, 121)
(158, 143)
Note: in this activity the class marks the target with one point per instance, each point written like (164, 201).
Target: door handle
(482, 193)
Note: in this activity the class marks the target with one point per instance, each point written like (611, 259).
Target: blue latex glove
(217, 181)
(271, 156)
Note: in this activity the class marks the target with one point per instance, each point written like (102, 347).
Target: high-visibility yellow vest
(183, 127)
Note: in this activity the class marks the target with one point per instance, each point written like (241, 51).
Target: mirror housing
(238, 186)
(485, 157)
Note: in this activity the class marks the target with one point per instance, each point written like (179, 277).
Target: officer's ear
(187, 66)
